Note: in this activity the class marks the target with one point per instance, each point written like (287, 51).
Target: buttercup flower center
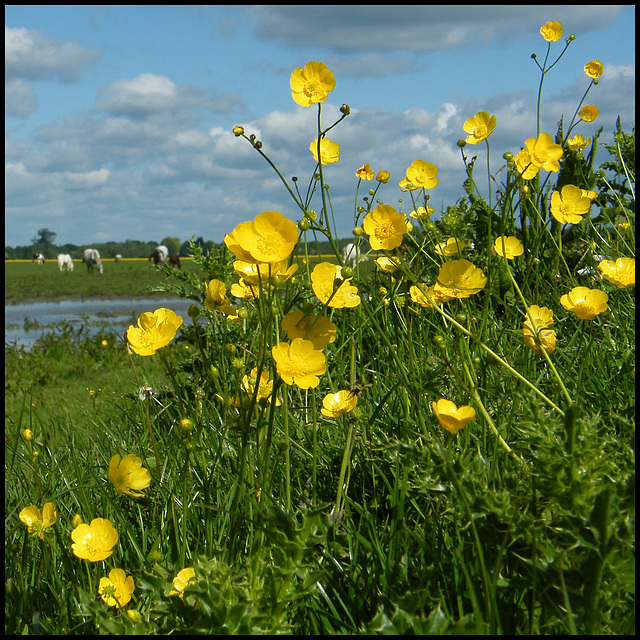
(384, 230)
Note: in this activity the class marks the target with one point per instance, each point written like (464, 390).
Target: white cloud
(148, 93)
(31, 56)
(87, 179)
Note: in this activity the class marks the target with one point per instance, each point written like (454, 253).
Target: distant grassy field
(25, 281)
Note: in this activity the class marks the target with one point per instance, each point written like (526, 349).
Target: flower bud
(238, 131)
(462, 143)
(214, 372)
(77, 520)
(243, 314)
(27, 435)
(358, 231)
(304, 224)
(134, 615)
(507, 155)
(347, 272)
(193, 311)
(186, 424)
(258, 144)
(230, 349)
(345, 109)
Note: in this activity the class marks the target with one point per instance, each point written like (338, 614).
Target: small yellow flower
(116, 590)
(37, 522)
(269, 238)
(133, 615)
(337, 404)
(480, 127)
(508, 247)
(238, 131)
(128, 475)
(154, 331)
(265, 386)
(451, 417)
(536, 322)
(95, 541)
(299, 363)
(27, 435)
(459, 279)
(420, 175)
(451, 247)
(76, 520)
(420, 298)
(578, 143)
(422, 213)
(331, 288)
(551, 31)
(589, 113)
(383, 177)
(184, 578)
(622, 272)
(594, 69)
(365, 173)
(584, 302)
(329, 151)
(385, 227)
(312, 84)
(104, 343)
(263, 274)
(539, 153)
(569, 205)
(388, 265)
(318, 329)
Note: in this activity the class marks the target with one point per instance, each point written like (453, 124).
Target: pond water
(26, 323)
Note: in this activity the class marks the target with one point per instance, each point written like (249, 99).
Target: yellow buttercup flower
(364, 172)
(183, 579)
(480, 127)
(594, 69)
(95, 541)
(116, 590)
(154, 331)
(331, 289)
(622, 272)
(312, 84)
(318, 329)
(272, 274)
(536, 322)
(216, 298)
(329, 151)
(451, 417)
(242, 289)
(299, 363)
(459, 279)
(578, 143)
(589, 113)
(383, 177)
(337, 404)
(385, 227)
(551, 31)
(584, 302)
(451, 247)
(388, 265)
(422, 213)
(420, 175)
(37, 522)
(128, 475)
(438, 296)
(269, 238)
(508, 247)
(539, 153)
(569, 205)
(265, 386)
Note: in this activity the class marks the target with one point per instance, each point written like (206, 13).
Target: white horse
(37, 257)
(92, 257)
(118, 257)
(65, 263)
(351, 255)
(160, 255)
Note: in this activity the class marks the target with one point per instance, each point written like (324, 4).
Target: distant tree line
(44, 243)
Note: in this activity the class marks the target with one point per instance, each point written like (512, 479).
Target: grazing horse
(351, 255)
(160, 255)
(92, 257)
(65, 263)
(174, 261)
(118, 257)
(37, 257)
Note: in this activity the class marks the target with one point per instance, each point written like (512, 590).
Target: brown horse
(174, 261)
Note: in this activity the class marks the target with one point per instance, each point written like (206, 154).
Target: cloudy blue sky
(118, 118)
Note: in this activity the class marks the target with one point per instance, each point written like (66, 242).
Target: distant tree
(173, 244)
(44, 237)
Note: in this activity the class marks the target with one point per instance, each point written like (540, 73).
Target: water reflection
(113, 316)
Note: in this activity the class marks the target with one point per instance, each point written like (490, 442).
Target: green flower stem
(153, 440)
(574, 124)
(314, 461)
(287, 466)
(336, 514)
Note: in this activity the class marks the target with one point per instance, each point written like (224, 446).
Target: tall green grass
(378, 521)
